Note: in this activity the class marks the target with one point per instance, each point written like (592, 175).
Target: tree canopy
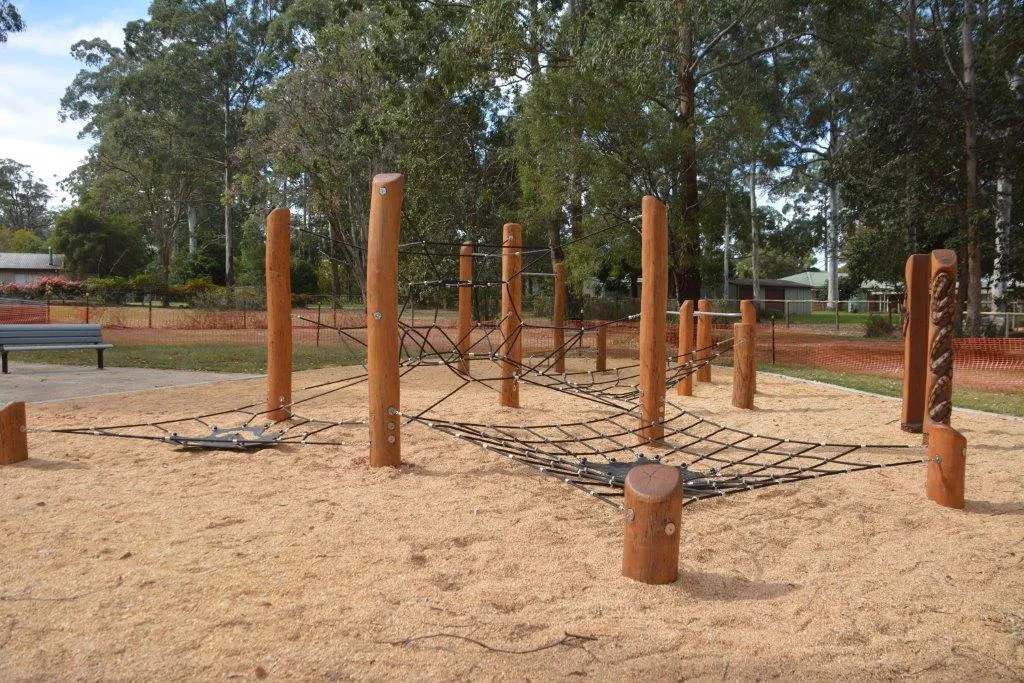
(10, 20)
(781, 134)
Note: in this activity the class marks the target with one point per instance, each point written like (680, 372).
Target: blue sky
(35, 68)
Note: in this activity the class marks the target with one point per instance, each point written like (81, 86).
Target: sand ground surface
(132, 560)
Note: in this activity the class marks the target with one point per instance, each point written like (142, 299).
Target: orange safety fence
(19, 311)
(995, 364)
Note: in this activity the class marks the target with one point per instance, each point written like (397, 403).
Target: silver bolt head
(377, 315)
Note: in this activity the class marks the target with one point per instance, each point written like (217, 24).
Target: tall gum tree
(230, 44)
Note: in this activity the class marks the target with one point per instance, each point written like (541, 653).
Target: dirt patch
(130, 559)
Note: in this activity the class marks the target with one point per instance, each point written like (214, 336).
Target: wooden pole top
(388, 180)
(944, 257)
(467, 249)
(653, 482)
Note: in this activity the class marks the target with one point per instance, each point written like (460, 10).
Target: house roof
(15, 261)
(765, 282)
(876, 286)
(812, 278)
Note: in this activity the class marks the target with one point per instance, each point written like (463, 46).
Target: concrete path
(37, 383)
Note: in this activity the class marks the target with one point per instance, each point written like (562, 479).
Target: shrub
(603, 309)
(878, 327)
(197, 286)
(59, 287)
(541, 305)
(107, 289)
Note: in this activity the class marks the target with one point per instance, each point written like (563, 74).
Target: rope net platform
(715, 460)
(593, 455)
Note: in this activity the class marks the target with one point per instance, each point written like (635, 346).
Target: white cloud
(56, 39)
(35, 69)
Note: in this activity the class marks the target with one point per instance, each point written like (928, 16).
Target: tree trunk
(971, 172)
(1004, 216)
(160, 228)
(574, 189)
(555, 240)
(193, 240)
(229, 243)
(688, 258)
(353, 256)
(824, 253)
(833, 245)
(755, 256)
(961, 273)
(833, 218)
(911, 173)
(725, 255)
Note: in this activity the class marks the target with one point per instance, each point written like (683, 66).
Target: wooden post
(382, 319)
(279, 315)
(684, 387)
(743, 369)
(939, 387)
(319, 305)
(704, 340)
(13, 439)
(602, 349)
(653, 304)
(654, 502)
(511, 313)
(465, 305)
(558, 317)
(748, 314)
(947, 466)
(915, 342)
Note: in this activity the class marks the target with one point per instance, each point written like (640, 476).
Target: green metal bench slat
(50, 340)
(55, 328)
(60, 347)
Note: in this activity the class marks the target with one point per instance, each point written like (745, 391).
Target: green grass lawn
(1006, 403)
(845, 318)
(209, 357)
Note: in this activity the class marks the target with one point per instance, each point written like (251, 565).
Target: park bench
(51, 338)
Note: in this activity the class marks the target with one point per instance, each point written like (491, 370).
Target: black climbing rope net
(593, 454)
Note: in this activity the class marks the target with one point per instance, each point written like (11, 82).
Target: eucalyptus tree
(391, 105)
(820, 97)
(141, 110)
(10, 20)
(333, 143)
(229, 46)
(23, 199)
(936, 73)
(642, 78)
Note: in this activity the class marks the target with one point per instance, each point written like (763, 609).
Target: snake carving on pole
(940, 336)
